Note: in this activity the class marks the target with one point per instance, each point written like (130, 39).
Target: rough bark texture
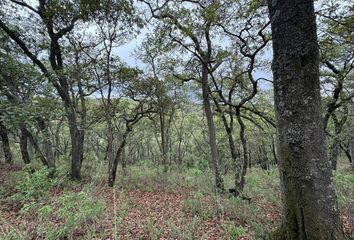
(77, 146)
(5, 143)
(310, 210)
(211, 130)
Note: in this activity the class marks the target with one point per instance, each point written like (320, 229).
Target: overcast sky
(126, 53)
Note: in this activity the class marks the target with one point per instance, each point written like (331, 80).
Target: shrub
(33, 188)
(186, 232)
(234, 232)
(344, 183)
(73, 210)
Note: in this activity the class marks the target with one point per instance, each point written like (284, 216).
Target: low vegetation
(147, 203)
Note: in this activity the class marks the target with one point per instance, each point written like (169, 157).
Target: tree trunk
(335, 147)
(110, 138)
(36, 148)
(179, 148)
(5, 143)
(243, 173)
(112, 166)
(351, 146)
(274, 152)
(57, 138)
(48, 146)
(235, 156)
(309, 201)
(211, 130)
(23, 144)
(77, 143)
(334, 153)
(348, 152)
(123, 159)
(163, 138)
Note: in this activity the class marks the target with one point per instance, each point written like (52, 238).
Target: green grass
(75, 207)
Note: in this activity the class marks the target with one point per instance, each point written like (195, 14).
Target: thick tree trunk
(5, 143)
(77, 143)
(23, 145)
(211, 130)
(310, 209)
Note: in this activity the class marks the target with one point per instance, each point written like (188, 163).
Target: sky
(126, 53)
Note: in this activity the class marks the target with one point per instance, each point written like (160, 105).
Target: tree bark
(163, 136)
(274, 152)
(61, 82)
(334, 153)
(335, 147)
(123, 159)
(112, 166)
(77, 145)
(23, 144)
(309, 201)
(211, 130)
(5, 143)
(244, 144)
(110, 137)
(48, 146)
(351, 145)
(37, 149)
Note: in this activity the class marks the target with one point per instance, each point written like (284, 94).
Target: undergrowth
(63, 209)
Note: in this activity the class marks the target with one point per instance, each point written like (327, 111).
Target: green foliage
(153, 231)
(196, 206)
(344, 183)
(235, 232)
(12, 235)
(259, 183)
(254, 5)
(73, 210)
(187, 232)
(34, 187)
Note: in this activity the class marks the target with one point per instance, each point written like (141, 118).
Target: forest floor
(145, 204)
